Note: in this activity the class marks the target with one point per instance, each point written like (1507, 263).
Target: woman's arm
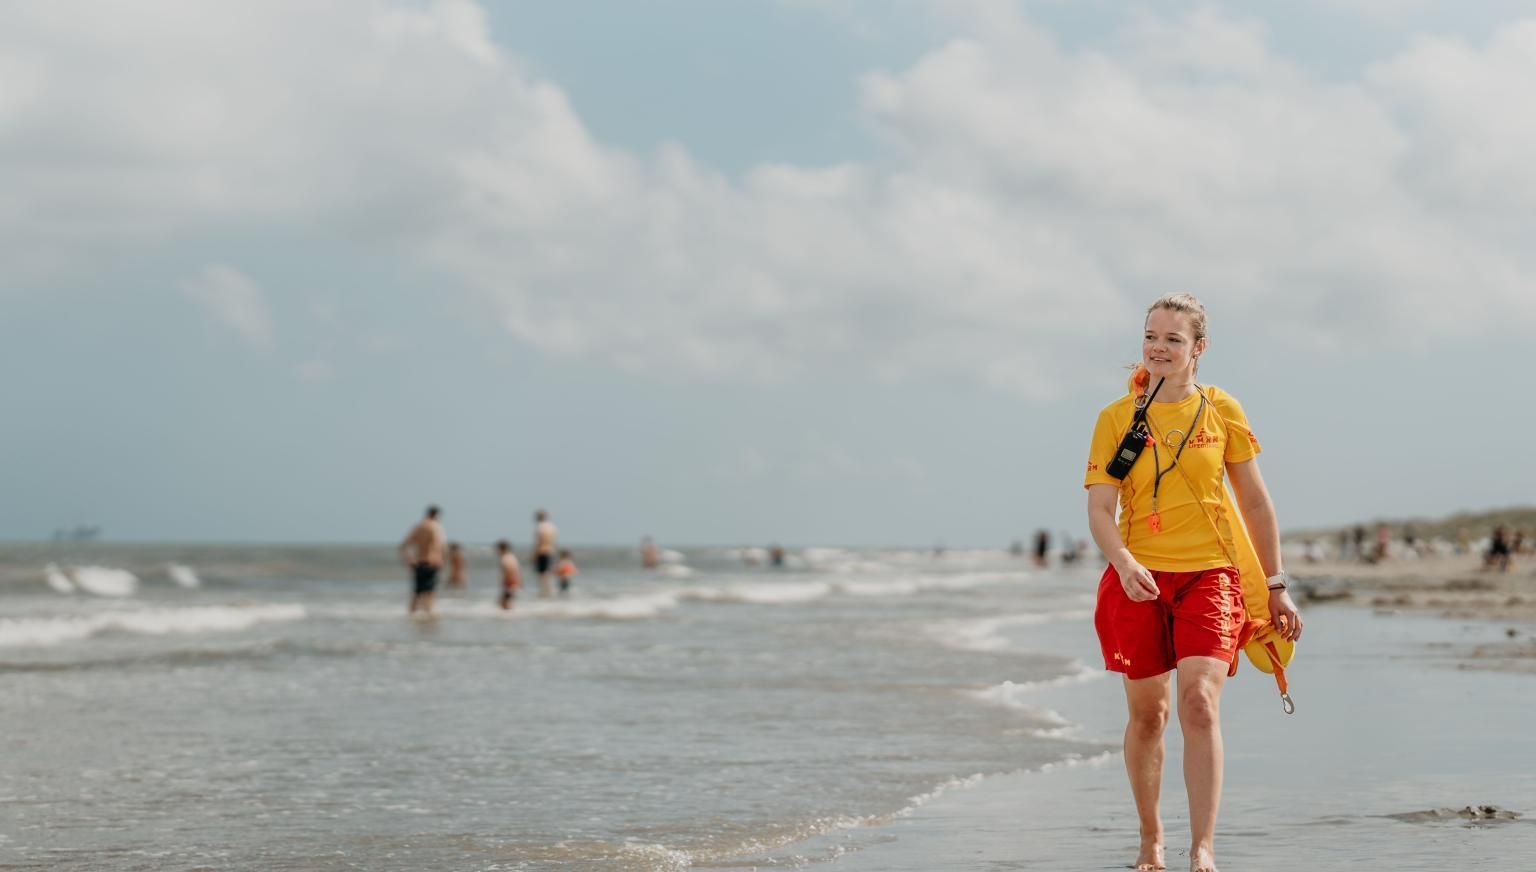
(1264, 529)
(1134, 578)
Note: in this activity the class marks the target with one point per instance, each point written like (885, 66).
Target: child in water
(511, 574)
(456, 573)
(565, 570)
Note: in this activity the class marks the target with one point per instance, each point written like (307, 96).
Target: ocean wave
(23, 632)
(808, 830)
(916, 802)
(909, 585)
(763, 593)
(983, 634)
(1020, 696)
(105, 581)
(1010, 693)
(58, 579)
(620, 608)
(183, 575)
(623, 608)
(1074, 761)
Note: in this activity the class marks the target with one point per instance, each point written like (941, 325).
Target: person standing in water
(565, 571)
(456, 575)
(544, 536)
(422, 551)
(1170, 600)
(650, 557)
(511, 574)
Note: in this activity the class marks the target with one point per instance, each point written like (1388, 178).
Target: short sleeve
(1241, 443)
(1106, 438)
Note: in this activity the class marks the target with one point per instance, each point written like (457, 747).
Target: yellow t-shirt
(1186, 540)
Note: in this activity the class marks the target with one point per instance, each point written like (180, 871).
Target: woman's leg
(1200, 683)
(1147, 700)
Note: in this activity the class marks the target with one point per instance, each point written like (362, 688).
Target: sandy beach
(1408, 751)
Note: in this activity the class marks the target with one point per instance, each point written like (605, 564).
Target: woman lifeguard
(1170, 599)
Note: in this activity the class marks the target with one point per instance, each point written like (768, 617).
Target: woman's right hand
(1137, 582)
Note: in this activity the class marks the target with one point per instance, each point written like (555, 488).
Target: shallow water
(1387, 728)
(250, 707)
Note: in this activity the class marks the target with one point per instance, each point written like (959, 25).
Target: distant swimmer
(422, 551)
(1042, 547)
(544, 536)
(776, 555)
(565, 571)
(456, 577)
(650, 558)
(1176, 595)
(511, 574)
(1068, 550)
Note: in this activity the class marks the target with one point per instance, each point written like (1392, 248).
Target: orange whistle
(1155, 522)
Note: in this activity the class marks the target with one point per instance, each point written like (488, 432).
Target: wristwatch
(1276, 581)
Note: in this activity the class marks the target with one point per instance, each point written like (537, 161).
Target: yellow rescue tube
(1266, 648)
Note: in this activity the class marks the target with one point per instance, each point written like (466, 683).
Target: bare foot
(1201, 860)
(1150, 857)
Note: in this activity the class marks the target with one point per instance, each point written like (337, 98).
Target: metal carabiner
(1285, 703)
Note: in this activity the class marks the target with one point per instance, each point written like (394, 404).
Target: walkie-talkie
(1135, 439)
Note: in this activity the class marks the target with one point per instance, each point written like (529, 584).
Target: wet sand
(1456, 588)
(1399, 757)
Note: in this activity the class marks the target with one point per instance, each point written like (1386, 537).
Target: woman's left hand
(1283, 614)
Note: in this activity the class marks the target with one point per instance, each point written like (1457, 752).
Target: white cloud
(1032, 197)
(1384, 10)
(232, 300)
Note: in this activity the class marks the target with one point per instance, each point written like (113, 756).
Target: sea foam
(105, 580)
(765, 593)
(58, 580)
(183, 575)
(24, 632)
(985, 634)
(1012, 694)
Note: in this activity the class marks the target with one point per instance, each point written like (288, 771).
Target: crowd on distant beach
(1354, 544)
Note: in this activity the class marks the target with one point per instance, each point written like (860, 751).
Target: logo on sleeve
(1252, 439)
(1093, 467)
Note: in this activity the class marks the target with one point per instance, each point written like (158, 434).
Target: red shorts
(1196, 614)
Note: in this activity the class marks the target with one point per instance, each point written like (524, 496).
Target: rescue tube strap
(1269, 647)
(1285, 690)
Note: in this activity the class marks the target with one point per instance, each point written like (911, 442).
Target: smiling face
(1169, 347)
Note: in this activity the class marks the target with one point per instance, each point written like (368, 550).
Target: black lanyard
(1157, 463)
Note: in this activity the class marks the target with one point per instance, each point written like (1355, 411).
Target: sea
(273, 707)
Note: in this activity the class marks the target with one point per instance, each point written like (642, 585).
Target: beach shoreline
(1456, 588)
(1366, 774)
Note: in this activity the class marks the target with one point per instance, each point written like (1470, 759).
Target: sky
(804, 271)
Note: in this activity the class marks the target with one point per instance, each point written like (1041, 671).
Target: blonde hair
(1185, 304)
